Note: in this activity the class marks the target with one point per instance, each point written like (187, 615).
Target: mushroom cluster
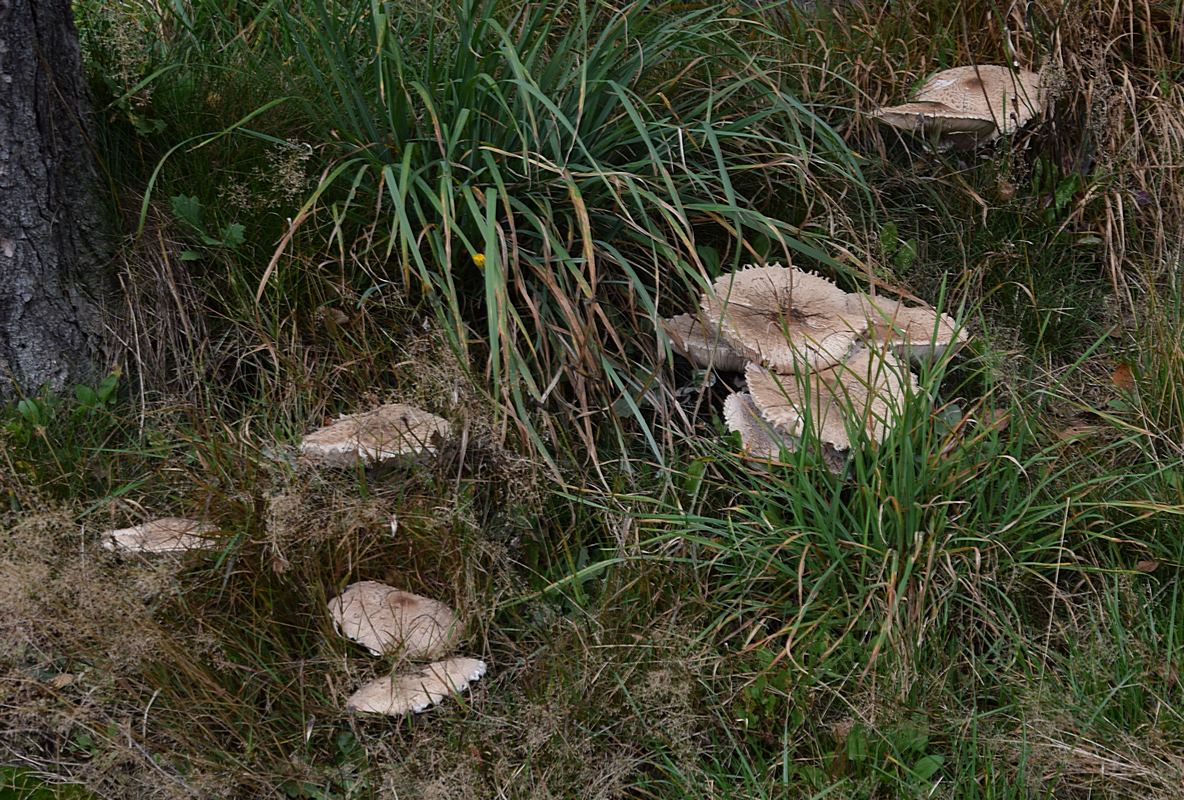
(964, 107)
(381, 618)
(386, 620)
(818, 362)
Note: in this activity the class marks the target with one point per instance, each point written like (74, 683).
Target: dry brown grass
(1118, 114)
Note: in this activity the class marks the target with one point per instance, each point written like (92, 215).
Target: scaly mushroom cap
(759, 437)
(704, 347)
(784, 315)
(969, 105)
(166, 535)
(917, 332)
(386, 432)
(415, 692)
(868, 389)
(384, 619)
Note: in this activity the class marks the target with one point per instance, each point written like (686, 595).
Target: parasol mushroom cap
(916, 332)
(865, 392)
(784, 315)
(967, 106)
(165, 535)
(417, 691)
(386, 432)
(704, 346)
(384, 619)
(759, 436)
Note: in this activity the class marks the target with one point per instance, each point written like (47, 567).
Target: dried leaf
(996, 419)
(1076, 430)
(61, 680)
(1123, 378)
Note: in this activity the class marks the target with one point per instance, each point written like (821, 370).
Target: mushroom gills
(964, 107)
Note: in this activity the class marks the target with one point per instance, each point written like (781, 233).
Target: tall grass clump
(869, 621)
(551, 176)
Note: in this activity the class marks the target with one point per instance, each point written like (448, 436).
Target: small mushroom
(760, 437)
(415, 692)
(165, 535)
(386, 432)
(968, 106)
(916, 332)
(703, 346)
(868, 390)
(384, 619)
(785, 316)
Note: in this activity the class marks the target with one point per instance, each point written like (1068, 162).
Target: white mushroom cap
(868, 389)
(759, 436)
(916, 332)
(970, 105)
(703, 346)
(384, 619)
(784, 315)
(418, 691)
(386, 432)
(166, 535)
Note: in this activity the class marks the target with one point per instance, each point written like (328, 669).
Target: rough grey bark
(51, 259)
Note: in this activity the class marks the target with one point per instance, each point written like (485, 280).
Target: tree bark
(52, 263)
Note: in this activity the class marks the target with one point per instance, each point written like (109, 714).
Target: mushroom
(384, 619)
(386, 432)
(415, 692)
(968, 106)
(703, 346)
(783, 315)
(866, 391)
(916, 332)
(165, 535)
(759, 437)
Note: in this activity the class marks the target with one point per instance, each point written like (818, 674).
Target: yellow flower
(479, 260)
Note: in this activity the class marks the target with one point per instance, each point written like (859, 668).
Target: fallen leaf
(1123, 378)
(995, 419)
(1166, 672)
(1147, 565)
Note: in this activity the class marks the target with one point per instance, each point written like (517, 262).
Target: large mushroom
(866, 393)
(386, 432)
(165, 535)
(964, 107)
(384, 619)
(395, 695)
(916, 332)
(787, 317)
(703, 346)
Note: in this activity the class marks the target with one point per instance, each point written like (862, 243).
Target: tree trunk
(51, 261)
